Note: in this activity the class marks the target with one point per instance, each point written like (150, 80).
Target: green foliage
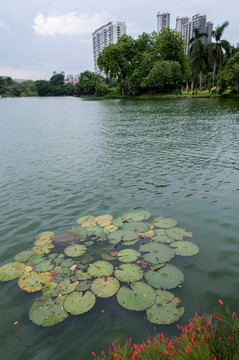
(87, 84)
(102, 89)
(138, 297)
(43, 87)
(164, 76)
(230, 74)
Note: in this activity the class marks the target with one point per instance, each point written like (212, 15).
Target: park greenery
(151, 64)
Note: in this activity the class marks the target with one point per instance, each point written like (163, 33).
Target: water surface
(62, 158)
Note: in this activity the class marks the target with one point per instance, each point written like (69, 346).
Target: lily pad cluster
(126, 257)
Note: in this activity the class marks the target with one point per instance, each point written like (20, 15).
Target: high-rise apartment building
(105, 35)
(186, 26)
(163, 21)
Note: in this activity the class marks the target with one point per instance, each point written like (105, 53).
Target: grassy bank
(214, 337)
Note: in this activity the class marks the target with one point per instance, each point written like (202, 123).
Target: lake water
(62, 158)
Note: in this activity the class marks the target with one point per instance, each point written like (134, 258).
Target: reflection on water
(62, 158)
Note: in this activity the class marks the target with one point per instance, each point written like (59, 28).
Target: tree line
(152, 63)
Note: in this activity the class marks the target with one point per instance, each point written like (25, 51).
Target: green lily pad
(140, 297)
(177, 233)
(100, 268)
(75, 250)
(105, 287)
(136, 226)
(128, 255)
(156, 253)
(94, 230)
(122, 235)
(89, 243)
(67, 263)
(150, 233)
(43, 249)
(163, 222)
(165, 310)
(47, 312)
(34, 281)
(24, 256)
(77, 303)
(58, 259)
(161, 237)
(83, 286)
(185, 248)
(44, 266)
(106, 256)
(13, 270)
(81, 275)
(42, 242)
(35, 259)
(104, 220)
(110, 228)
(119, 222)
(54, 289)
(79, 231)
(167, 277)
(45, 235)
(129, 273)
(86, 219)
(136, 215)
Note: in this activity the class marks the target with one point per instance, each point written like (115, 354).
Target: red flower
(234, 314)
(220, 301)
(93, 354)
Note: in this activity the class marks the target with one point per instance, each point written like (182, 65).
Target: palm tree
(197, 52)
(217, 48)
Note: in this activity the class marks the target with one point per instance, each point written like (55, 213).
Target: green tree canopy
(43, 87)
(87, 84)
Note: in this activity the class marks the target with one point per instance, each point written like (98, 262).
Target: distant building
(186, 26)
(70, 79)
(163, 21)
(105, 35)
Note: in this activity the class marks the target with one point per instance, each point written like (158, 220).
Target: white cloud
(69, 24)
(3, 25)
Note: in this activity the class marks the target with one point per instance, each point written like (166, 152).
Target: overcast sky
(38, 37)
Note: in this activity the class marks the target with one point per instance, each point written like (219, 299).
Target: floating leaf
(83, 286)
(128, 255)
(47, 312)
(55, 289)
(167, 277)
(45, 235)
(156, 253)
(122, 235)
(44, 266)
(185, 248)
(165, 310)
(77, 303)
(69, 236)
(150, 233)
(129, 273)
(100, 268)
(79, 231)
(75, 250)
(89, 243)
(67, 263)
(13, 270)
(104, 220)
(119, 222)
(42, 242)
(106, 256)
(177, 233)
(87, 219)
(81, 275)
(136, 215)
(141, 297)
(35, 259)
(44, 249)
(110, 228)
(34, 281)
(161, 237)
(136, 226)
(24, 255)
(163, 222)
(94, 230)
(105, 287)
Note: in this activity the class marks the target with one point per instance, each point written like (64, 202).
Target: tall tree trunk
(200, 80)
(214, 72)
(187, 86)
(192, 85)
